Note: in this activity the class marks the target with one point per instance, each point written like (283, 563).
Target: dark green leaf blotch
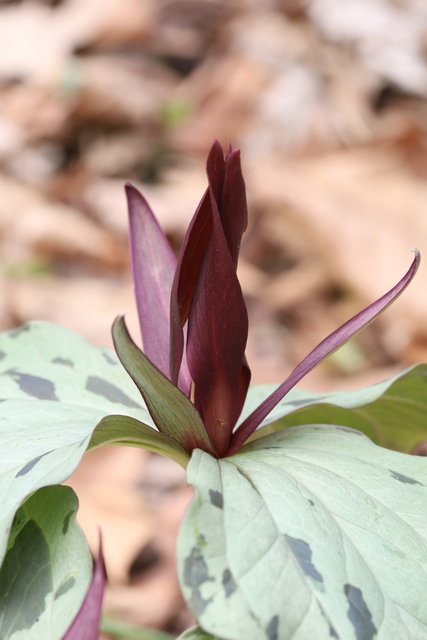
(110, 392)
(228, 583)
(67, 521)
(359, 614)
(195, 574)
(40, 388)
(24, 574)
(302, 552)
(216, 498)
(32, 463)
(272, 628)
(402, 478)
(68, 584)
(17, 332)
(109, 359)
(65, 361)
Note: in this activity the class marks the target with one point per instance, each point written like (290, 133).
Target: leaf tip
(131, 190)
(118, 324)
(417, 255)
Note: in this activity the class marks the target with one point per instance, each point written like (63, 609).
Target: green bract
(196, 633)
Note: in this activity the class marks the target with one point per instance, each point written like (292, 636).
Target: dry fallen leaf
(354, 206)
(86, 305)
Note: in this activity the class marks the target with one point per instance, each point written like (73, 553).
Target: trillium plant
(309, 516)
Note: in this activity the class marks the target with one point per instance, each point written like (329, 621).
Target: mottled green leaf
(55, 389)
(47, 568)
(312, 532)
(43, 361)
(392, 413)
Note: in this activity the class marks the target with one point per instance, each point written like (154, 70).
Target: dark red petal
(217, 334)
(330, 344)
(233, 207)
(191, 257)
(86, 623)
(189, 262)
(153, 266)
(215, 169)
(227, 187)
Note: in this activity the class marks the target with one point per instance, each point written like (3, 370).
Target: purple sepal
(86, 623)
(330, 344)
(153, 266)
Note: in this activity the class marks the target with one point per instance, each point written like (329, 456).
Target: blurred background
(327, 101)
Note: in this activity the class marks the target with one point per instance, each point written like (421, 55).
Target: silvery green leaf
(43, 361)
(392, 413)
(312, 532)
(55, 388)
